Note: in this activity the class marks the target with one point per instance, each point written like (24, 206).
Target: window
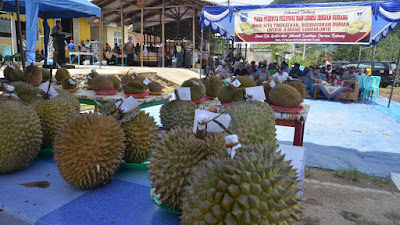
(117, 38)
(5, 28)
(365, 65)
(379, 65)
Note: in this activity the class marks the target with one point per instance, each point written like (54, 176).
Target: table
(92, 54)
(125, 200)
(296, 120)
(120, 56)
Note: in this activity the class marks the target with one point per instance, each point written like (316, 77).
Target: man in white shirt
(223, 69)
(280, 75)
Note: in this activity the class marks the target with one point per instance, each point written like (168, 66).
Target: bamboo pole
(201, 51)
(163, 34)
(141, 32)
(101, 39)
(394, 79)
(194, 38)
(373, 59)
(20, 35)
(122, 34)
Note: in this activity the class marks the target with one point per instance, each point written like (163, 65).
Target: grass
(385, 92)
(350, 173)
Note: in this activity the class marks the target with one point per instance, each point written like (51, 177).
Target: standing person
(310, 79)
(82, 48)
(137, 48)
(71, 48)
(179, 54)
(280, 75)
(56, 42)
(262, 75)
(231, 56)
(189, 54)
(210, 64)
(88, 47)
(327, 62)
(160, 51)
(130, 50)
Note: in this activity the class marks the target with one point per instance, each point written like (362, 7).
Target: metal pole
(141, 32)
(163, 35)
(194, 38)
(101, 39)
(201, 51)
(122, 33)
(394, 80)
(359, 54)
(304, 51)
(373, 59)
(20, 35)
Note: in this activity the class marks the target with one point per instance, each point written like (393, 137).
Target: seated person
(262, 75)
(271, 69)
(310, 79)
(334, 79)
(116, 49)
(280, 75)
(322, 76)
(223, 69)
(296, 72)
(249, 69)
(230, 67)
(350, 74)
(110, 56)
(241, 71)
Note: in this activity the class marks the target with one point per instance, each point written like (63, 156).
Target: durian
(116, 82)
(212, 86)
(33, 75)
(257, 186)
(299, 87)
(45, 74)
(71, 98)
(246, 81)
(93, 74)
(88, 150)
(61, 74)
(25, 92)
(177, 114)
(267, 89)
(141, 135)
(101, 83)
(126, 79)
(66, 84)
(139, 78)
(7, 71)
(134, 87)
(17, 74)
(197, 92)
(286, 96)
(255, 122)
(20, 137)
(155, 87)
(226, 94)
(239, 95)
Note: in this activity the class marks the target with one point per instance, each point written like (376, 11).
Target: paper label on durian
(146, 81)
(9, 88)
(236, 83)
(93, 70)
(72, 82)
(212, 127)
(229, 80)
(135, 73)
(291, 78)
(272, 84)
(51, 92)
(129, 104)
(11, 65)
(184, 93)
(89, 77)
(58, 66)
(255, 93)
(196, 83)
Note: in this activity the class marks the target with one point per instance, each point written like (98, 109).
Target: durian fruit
(299, 87)
(155, 87)
(239, 95)
(177, 114)
(17, 74)
(246, 81)
(93, 74)
(267, 88)
(25, 91)
(226, 94)
(196, 92)
(45, 74)
(33, 75)
(61, 74)
(7, 71)
(88, 150)
(67, 85)
(141, 135)
(71, 98)
(20, 137)
(126, 79)
(134, 87)
(174, 159)
(54, 113)
(139, 78)
(255, 122)
(101, 83)
(212, 86)
(116, 81)
(257, 186)
(286, 96)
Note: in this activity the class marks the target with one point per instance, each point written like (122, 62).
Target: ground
(385, 92)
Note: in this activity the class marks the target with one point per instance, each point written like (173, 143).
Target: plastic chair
(6, 52)
(371, 84)
(361, 87)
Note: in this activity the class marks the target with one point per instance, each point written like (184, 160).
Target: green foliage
(350, 173)
(278, 51)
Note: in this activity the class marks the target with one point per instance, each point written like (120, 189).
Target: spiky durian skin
(88, 150)
(20, 137)
(115, 80)
(7, 71)
(239, 95)
(155, 87)
(66, 84)
(134, 87)
(196, 92)
(45, 74)
(101, 83)
(33, 75)
(226, 94)
(71, 98)
(257, 186)
(246, 81)
(54, 113)
(25, 92)
(61, 74)
(174, 159)
(126, 79)
(212, 86)
(286, 96)
(177, 113)
(93, 74)
(267, 89)
(299, 87)
(141, 135)
(17, 74)
(255, 122)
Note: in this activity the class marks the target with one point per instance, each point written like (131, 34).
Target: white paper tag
(72, 82)
(9, 88)
(52, 92)
(199, 121)
(212, 127)
(184, 93)
(231, 139)
(291, 78)
(135, 73)
(129, 104)
(12, 95)
(146, 81)
(11, 65)
(58, 66)
(236, 83)
(229, 80)
(272, 84)
(98, 168)
(89, 77)
(93, 70)
(195, 83)
(255, 93)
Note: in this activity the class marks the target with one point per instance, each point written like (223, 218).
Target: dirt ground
(385, 92)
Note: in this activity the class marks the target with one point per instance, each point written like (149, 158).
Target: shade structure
(47, 9)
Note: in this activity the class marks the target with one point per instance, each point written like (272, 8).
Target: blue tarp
(386, 16)
(47, 9)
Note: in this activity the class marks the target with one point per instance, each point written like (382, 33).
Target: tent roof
(57, 8)
(386, 16)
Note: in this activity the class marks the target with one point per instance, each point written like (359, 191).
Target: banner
(317, 25)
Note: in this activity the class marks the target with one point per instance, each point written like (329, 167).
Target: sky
(243, 2)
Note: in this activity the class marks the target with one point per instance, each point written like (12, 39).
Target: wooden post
(163, 34)
(21, 50)
(201, 51)
(122, 34)
(209, 40)
(101, 39)
(194, 38)
(141, 31)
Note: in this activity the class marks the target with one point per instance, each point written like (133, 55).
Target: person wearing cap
(327, 62)
(280, 75)
(296, 72)
(223, 69)
(262, 75)
(241, 71)
(285, 68)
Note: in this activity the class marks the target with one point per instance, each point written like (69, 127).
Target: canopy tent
(47, 9)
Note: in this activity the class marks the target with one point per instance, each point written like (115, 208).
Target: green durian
(101, 83)
(213, 85)
(239, 95)
(17, 74)
(45, 74)
(71, 98)
(88, 150)
(155, 87)
(67, 85)
(7, 71)
(93, 74)
(33, 75)
(61, 74)
(177, 114)
(299, 87)
(141, 135)
(196, 92)
(20, 137)
(267, 89)
(286, 96)
(116, 81)
(25, 91)
(255, 122)
(257, 186)
(226, 94)
(126, 79)
(139, 78)
(134, 87)
(246, 81)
